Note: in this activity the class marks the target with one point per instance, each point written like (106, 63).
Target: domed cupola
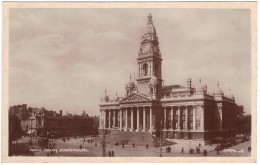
(150, 29)
(202, 89)
(117, 98)
(218, 91)
(130, 86)
(105, 98)
(231, 96)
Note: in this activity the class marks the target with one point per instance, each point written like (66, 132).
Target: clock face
(145, 48)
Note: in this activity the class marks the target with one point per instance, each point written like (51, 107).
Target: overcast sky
(66, 58)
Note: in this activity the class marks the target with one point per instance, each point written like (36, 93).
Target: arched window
(145, 69)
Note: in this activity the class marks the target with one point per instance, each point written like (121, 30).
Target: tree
(15, 129)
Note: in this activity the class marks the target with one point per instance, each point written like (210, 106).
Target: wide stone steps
(128, 138)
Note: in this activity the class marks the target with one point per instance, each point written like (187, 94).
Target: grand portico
(134, 113)
(179, 112)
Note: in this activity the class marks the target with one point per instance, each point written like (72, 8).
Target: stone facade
(175, 111)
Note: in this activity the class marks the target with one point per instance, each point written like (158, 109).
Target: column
(152, 67)
(137, 113)
(109, 119)
(165, 118)
(126, 123)
(179, 117)
(202, 117)
(151, 118)
(139, 69)
(132, 119)
(114, 118)
(143, 119)
(193, 118)
(120, 119)
(171, 118)
(186, 118)
(104, 118)
(100, 118)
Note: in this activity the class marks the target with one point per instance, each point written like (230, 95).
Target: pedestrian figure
(133, 145)
(205, 152)
(95, 144)
(182, 150)
(170, 149)
(109, 153)
(199, 145)
(147, 146)
(112, 153)
(80, 146)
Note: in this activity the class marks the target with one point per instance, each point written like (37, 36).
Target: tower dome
(231, 94)
(105, 98)
(130, 84)
(130, 87)
(218, 91)
(202, 89)
(150, 29)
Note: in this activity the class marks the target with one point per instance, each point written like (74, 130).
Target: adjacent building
(40, 121)
(70, 125)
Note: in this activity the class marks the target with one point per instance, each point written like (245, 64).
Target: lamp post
(161, 138)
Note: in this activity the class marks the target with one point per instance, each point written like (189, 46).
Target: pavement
(89, 149)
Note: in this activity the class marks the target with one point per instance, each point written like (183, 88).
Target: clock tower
(149, 60)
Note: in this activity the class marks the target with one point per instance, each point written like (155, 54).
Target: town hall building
(178, 112)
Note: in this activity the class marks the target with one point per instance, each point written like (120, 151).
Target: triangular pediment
(135, 97)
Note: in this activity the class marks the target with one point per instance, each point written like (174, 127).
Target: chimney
(189, 83)
(60, 112)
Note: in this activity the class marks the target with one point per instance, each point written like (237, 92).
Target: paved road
(90, 150)
(237, 151)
